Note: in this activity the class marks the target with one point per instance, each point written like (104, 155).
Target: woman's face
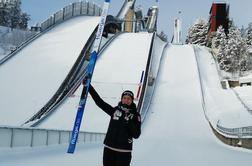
(126, 100)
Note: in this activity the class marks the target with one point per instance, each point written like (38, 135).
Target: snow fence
(12, 137)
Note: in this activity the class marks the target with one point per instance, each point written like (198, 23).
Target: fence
(33, 137)
(72, 10)
(236, 132)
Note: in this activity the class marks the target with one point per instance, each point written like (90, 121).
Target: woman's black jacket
(124, 125)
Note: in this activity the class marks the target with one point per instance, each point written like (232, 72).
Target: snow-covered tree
(12, 16)
(4, 15)
(197, 33)
(24, 20)
(225, 57)
(220, 35)
(15, 14)
(234, 56)
(222, 59)
(249, 35)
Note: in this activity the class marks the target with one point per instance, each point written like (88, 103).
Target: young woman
(124, 125)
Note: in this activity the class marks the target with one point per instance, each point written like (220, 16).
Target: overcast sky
(240, 11)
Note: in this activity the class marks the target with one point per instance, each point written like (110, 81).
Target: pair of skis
(87, 79)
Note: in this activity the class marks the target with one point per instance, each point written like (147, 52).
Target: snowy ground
(117, 69)
(29, 79)
(175, 132)
(53, 156)
(221, 105)
(245, 94)
(4, 51)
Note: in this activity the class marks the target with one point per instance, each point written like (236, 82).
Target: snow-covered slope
(118, 68)
(176, 131)
(29, 79)
(221, 105)
(245, 94)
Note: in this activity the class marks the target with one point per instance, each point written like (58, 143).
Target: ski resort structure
(188, 118)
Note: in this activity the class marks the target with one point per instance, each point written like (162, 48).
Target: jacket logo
(117, 115)
(129, 116)
(130, 141)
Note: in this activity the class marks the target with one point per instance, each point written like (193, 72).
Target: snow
(117, 69)
(29, 79)
(218, 100)
(246, 79)
(176, 130)
(11, 38)
(245, 93)
(56, 155)
(158, 47)
(174, 133)
(198, 32)
(2, 51)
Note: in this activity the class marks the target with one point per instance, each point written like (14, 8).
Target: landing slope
(176, 131)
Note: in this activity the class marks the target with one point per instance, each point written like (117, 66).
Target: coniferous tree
(24, 20)
(15, 14)
(249, 35)
(4, 15)
(221, 51)
(220, 34)
(12, 16)
(234, 59)
(198, 32)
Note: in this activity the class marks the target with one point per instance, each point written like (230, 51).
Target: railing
(151, 73)
(12, 137)
(229, 132)
(203, 100)
(240, 132)
(140, 107)
(70, 11)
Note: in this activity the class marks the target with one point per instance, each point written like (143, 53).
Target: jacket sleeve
(135, 125)
(99, 102)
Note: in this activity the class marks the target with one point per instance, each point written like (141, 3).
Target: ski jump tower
(219, 16)
(177, 31)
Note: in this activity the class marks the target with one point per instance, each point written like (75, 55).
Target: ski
(87, 78)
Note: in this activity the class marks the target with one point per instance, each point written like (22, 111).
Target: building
(219, 15)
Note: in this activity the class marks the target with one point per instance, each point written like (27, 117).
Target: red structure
(219, 15)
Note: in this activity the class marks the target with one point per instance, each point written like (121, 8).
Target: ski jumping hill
(118, 68)
(176, 131)
(30, 78)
